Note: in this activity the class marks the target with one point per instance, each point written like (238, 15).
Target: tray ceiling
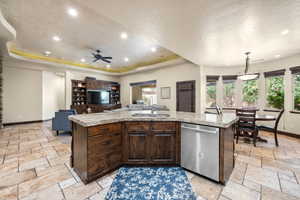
(37, 22)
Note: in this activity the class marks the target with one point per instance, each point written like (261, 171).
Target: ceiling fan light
(248, 77)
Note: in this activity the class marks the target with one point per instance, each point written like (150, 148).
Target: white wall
(290, 121)
(53, 94)
(165, 77)
(33, 91)
(22, 95)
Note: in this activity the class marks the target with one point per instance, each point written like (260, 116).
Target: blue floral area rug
(151, 183)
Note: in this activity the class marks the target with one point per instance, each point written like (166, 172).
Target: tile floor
(34, 164)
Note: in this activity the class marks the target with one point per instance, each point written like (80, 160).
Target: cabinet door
(163, 147)
(137, 147)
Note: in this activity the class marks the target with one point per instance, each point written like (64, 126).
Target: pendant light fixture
(246, 76)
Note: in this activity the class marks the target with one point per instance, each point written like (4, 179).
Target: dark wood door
(185, 96)
(163, 147)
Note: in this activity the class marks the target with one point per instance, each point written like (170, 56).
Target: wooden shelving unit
(115, 94)
(79, 93)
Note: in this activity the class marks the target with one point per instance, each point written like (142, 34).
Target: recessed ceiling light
(277, 56)
(126, 59)
(82, 60)
(284, 32)
(124, 35)
(72, 12)
(108, 65)
(56, 38)
(153, 49)
(47, 53)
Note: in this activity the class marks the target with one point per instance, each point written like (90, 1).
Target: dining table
(264, 117)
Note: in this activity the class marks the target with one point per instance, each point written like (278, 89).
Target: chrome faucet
(219, 110)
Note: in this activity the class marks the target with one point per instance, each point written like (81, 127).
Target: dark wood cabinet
(80, 95)
(136, 143)
(99, 150)
(137, 146)
(150, 143)
(163, 147)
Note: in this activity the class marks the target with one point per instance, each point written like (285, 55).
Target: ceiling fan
(98, 56)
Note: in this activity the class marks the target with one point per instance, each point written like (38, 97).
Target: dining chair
(273, 129)
(246, 124)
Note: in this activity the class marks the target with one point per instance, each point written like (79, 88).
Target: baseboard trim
(26, 122)
(289, 134)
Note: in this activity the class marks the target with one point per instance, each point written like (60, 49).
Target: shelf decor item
(165, 92)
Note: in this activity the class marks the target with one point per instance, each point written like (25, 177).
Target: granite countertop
(87, 120)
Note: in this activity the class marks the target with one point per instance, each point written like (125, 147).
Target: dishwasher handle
(200, 130)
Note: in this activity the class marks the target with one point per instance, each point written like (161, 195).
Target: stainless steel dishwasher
(200, 149)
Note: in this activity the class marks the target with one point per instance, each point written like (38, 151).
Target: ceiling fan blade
(107, 61)
(107, 57)
(95, 60)
(95, 55)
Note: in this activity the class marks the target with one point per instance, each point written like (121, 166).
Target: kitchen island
(102, 142)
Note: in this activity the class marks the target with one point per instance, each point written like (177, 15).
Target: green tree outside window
(229, 97)
(297, 92)
(211, 91)
(275, 92)
(250, 93)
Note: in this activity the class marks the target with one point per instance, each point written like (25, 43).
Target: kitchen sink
(150, 115)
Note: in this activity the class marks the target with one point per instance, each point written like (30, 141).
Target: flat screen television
(98, 97)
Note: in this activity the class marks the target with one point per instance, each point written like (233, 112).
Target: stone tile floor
(34, 164)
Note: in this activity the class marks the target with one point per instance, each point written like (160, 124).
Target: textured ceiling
(206, 32)
(211, 32)
(36, 22)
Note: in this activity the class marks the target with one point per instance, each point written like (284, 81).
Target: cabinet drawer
(104, 163)
(99, 145)
(164, 126)
(137, 126)
(104, 129)
(97, 165)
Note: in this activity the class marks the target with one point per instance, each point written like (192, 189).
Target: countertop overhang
(88, 120)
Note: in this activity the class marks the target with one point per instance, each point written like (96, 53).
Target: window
(144, 92)
(274, 89)
(296, 87)
(211, 97)
(296, 92)
(250, 93)
(149, 95)
(211, 91)
(229, 91)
